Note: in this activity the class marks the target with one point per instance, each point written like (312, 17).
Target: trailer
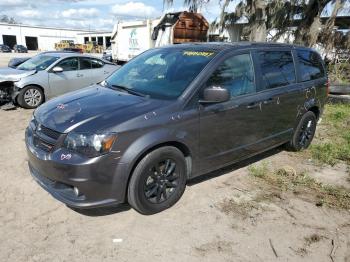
(130, 38)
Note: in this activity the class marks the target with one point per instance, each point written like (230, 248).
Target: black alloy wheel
(161, 182)
(158, 180)
(304, 132)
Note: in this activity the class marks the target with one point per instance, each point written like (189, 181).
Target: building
(44, 38)
(100, 37)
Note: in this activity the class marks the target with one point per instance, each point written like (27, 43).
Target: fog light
(76, 191)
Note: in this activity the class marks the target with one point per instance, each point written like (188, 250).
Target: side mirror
(57, 69)
(215, 94)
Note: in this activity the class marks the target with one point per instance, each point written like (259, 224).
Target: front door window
(236, 74)
(69, 64)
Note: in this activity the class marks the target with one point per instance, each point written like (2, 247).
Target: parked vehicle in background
(20, 49)
(51, 74)
(107, 54)
(5, 49)
(16, 61)
(107, 57)
(108, 50)
(131, 38)
(172, 114)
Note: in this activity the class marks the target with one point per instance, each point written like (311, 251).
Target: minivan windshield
(161, 73)
(40, 62)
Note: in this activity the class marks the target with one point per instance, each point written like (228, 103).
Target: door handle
(253, 105)
(80, 75)
(269, 101)
(105, 72)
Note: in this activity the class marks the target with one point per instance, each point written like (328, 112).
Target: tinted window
(96, 63)
(235, 74)
(162, 73)
(85, 63)
(277, 68)
(69, 64)
(310, 65)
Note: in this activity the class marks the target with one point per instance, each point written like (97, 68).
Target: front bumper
(101, 181)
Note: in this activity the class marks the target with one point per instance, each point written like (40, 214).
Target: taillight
(328, 86)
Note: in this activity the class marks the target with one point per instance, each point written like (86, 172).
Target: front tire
(304, 133)
(30, 97)
(158, 181)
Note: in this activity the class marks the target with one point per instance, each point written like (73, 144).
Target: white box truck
(130, 38)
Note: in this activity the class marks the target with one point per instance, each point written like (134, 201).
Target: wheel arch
(179, 145)
(315, 109)
(312, 107)
(27, 85)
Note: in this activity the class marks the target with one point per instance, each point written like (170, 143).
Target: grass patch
(287, 179)
(259, 170)
(326, 153)
(335, 134)
(337, 116)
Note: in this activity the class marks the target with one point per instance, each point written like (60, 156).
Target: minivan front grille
(48, 132)
(45, 138)
(43, 145)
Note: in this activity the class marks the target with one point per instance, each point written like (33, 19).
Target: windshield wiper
(126, 89)
(129, 90)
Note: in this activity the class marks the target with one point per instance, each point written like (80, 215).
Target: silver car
(51, 74)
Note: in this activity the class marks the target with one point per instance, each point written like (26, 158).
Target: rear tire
(158, 181)
(304, 133)
(30, 97)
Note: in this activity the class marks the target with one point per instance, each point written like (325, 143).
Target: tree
(7, 19)
(278, 16)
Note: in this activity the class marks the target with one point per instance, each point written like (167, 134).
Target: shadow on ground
(234, 167)
(106, 211)
(102, 211)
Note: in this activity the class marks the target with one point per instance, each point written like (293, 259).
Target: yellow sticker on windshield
(198, 53)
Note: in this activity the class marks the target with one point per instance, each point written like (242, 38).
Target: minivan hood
(12, 74)
(72, 110)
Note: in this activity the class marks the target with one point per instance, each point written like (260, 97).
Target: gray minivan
(172, 114)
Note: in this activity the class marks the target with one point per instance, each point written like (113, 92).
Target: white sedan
(51, 74)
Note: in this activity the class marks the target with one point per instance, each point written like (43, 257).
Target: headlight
(91, 145)
(16, 85)
(33, 124)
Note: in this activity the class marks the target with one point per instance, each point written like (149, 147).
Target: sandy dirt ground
(287, 227)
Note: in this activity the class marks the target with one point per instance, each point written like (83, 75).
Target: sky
(99, 15)
(94, 15)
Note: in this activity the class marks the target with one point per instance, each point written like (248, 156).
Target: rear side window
(236, 74)
(96, 63)
(277, 68)
(85, 63)
(310, 65)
